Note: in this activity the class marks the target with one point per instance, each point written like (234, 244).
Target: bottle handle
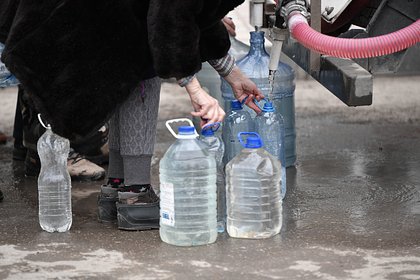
(253, 100)
(169, 122)
(246, 133)
(213, 126)
(48, 126)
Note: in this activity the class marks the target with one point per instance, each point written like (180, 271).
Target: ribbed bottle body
(188, 194)
(54, 183)
(254, 205)
(270, 127)
(217, 149)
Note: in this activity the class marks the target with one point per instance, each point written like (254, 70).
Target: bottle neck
(257, 49)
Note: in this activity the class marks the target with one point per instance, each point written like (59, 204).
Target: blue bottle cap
(210, 129)
(253, 142)
(236, 105)
(186, 130)
(207, 132)
(268, 107)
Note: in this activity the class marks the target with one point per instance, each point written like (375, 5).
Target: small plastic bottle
(188, 190)
(217, 149)
(253, 179)
(54, 183)
(270, 126)
(237, 120)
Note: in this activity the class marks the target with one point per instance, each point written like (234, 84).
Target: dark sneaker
(1, 196)
(107, 208)
(138, 210)
(94, 147)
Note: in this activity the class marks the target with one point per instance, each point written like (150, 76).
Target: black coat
(78, 59)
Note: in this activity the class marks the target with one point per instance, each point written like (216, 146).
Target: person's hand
(205, 106)
(230, 26)
(244, 88)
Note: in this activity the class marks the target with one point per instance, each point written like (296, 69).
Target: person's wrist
(193, 87)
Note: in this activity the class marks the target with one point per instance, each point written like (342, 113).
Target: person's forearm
(223, 65)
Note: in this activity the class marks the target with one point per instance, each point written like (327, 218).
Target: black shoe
(107, 208)
(107, 199)
(1, 196)
(138, 210)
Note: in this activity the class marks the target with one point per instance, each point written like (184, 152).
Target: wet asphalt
(352, 210)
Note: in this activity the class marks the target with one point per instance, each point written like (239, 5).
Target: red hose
(353, 48)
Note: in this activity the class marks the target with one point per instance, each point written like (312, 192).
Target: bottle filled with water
(188, 190)
(237, 120)
(255, 65)
(216, 148)
(54, 183)
(270, 126)
(253, 179)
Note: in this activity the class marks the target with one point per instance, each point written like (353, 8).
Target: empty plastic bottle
(237, 120)
(255, 66)
(253, 178)
(188, 190)
(216, 148)
(54, 183)
(270, 126)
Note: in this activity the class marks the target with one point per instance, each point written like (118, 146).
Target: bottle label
(167, 205)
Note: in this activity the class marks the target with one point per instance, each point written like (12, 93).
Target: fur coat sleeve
(79, 59)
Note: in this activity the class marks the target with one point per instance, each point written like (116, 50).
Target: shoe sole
(138, 217)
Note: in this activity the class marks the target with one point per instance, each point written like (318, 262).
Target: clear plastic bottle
(54, 183)
(188, 191)
(253, 178)
(270, 126)
(216, 148)
(237, 120)
(255, 66)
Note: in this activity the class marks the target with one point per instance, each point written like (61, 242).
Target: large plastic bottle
(270, 126)
(216, 148)
(54, 183)
(188, 191)
(237, 120)
(253, 178)
(255, 66)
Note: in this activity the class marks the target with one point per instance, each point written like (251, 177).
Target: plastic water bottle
(188, 190)
(216, 148)
(253, 178)
(54, 183)
(270, 126)
(255, 66)
(237, 120)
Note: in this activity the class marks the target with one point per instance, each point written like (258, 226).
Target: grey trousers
(132, 134)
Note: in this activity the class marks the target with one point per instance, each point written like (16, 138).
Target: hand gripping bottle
(270, 126)
(54, 183)
(188, 190)
(237, 120)
(253, 178)
(255, 66)
(217, 149)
